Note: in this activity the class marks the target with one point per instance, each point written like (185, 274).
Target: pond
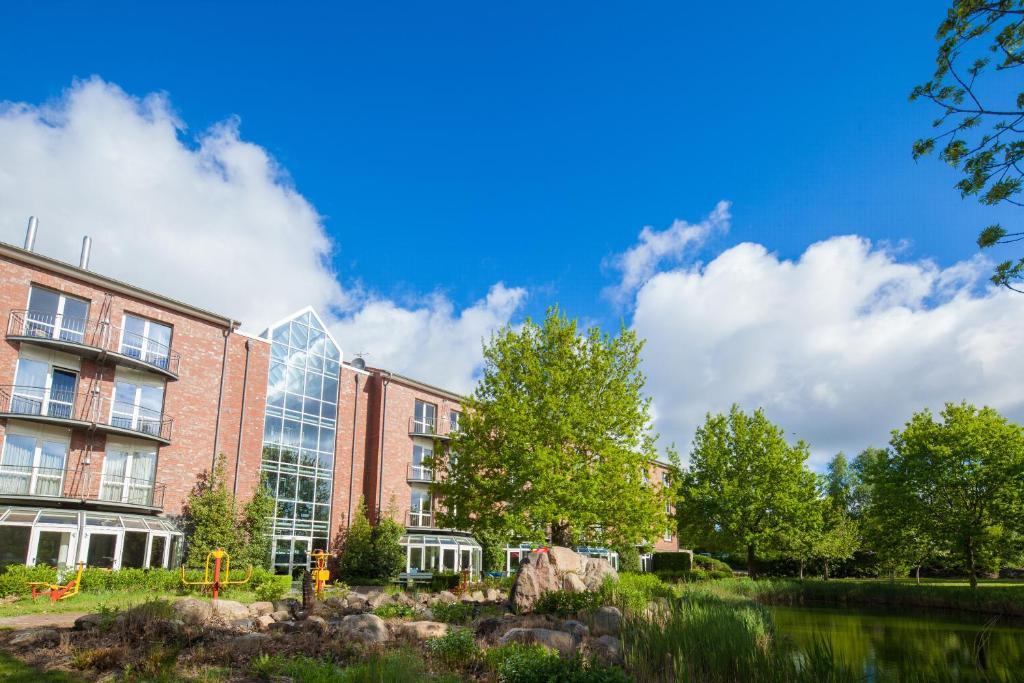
(894, 645)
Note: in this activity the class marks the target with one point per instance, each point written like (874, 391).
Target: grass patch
(16, 671)
(103, 600)
(391, 667)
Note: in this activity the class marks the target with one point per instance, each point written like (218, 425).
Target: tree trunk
(560, 534)
(801, 570)
(918, 573)
(751, 569)
(826, 569)
(972, 563)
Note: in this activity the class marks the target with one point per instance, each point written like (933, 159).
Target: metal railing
(95, 334)
(84, 406)
(422, 519)
(439, 427)
(419, 473)
(48, 482)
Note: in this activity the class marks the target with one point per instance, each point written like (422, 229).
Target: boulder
(241, 624)
(378, 599)
(368, 628)
(193, 611)
(251, 644)
(43, 637)
(492, 595)
(258, 609)
(281, 615)
(477, 596)
(576, 628)
(287, 604)
(596, 571)
(573, 583)
(608, 650)
(446, 596)
(262, 623)
(559, 641)
(285, 626)
(607, 621)
(230, 610)
(88, 621)
(422, 630)
(552, 569)
(314, 624)
(566, 560)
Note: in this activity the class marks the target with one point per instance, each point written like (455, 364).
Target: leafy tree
(211, 522)
(367, 552)
(555, 440)
(839, 483)
(839, 538)
(746, 487)
(979, 128)
(962, 479)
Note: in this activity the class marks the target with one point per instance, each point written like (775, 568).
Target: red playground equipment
(57, 591)
(214, 581)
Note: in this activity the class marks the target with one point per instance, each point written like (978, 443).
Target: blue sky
(463, 165)
(451, 145)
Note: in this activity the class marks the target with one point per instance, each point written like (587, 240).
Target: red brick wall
(241, 436)
(350, 447)
(191, 400)
(661, 545)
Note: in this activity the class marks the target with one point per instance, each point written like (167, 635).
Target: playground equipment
(321, 575)
(57, 591)
(214, 581)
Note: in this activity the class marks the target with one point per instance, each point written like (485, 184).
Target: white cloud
(840, 346)
(433, 342)
(210, 219)
(638, 263)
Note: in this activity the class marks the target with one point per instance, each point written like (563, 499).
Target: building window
(128, 475)
(42, 389)
(664, 479)
(55, 315)
(14, 544)
(424, 417)
(32, 465)
(147, 340)
(137, 406)
(420, 506)
(453, 418)
(667, 536)
(421, 470)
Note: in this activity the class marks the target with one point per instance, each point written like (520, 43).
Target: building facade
(116, 402)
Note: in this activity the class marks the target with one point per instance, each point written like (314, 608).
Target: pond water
(894, 645)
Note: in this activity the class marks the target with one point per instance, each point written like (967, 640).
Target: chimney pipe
(83, 262)
(30, 234)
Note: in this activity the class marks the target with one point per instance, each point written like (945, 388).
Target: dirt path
(63, 620)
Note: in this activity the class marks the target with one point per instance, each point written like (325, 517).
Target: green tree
(962, 478)
(555, 440)
(254, 526)
(980, 121)
(367, 552)
(209, 517)
(839, 538)
(839, 483)
(746, 487)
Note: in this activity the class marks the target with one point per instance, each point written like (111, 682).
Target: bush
(455, 648)
(566, 603)
(452, 612)
(710, 564)
(671, 562)
(367, 554)
(394, 610)
(629, 558)
(15, 578)
(516, 663)
(444, 581)
(269, 586)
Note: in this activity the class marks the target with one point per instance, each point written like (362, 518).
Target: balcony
(419, 519)
(93, 339)
(21, 485)
(437, 428)
(419, 473)
(84, 410)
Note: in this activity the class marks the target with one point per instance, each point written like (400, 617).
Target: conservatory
(514, 554)
(62, 538)
(442, 553)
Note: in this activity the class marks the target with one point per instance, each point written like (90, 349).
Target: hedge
(710, 564)
(674, 562)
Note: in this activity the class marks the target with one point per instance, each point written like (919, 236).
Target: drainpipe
(220, 395)
(352, 460)
(241, 418)
(380, 458)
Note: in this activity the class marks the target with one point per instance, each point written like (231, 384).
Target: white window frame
(422, 423)
(139, 380)
(421, 472)
(33, 543)
(146, 353)
(422, 514)
(40, 436)
(49, 359)
(128, 485)
(56, 328)
(149, 549)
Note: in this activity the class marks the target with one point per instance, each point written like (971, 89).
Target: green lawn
(95, 602)
(15, 671)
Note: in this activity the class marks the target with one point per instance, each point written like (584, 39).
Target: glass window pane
(52, 548)
(300, 335)
(156, 551)
(281, 335)
(134, 552)
(14, 545)
(101, 550)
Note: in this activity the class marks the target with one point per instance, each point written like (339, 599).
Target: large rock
(89, 621)
(230, 610)
(259, 609)
(553, 569)
(368, 628)
(608, 650)
(250, 644)
(193, 611)
(422, 630)
(607, 621)
(44, 637)
(562, 642)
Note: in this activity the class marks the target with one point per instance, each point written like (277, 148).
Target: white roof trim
(305, 309)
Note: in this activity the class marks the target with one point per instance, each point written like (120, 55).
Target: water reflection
(902, 645)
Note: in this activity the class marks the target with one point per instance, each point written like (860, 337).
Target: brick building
(115, 403)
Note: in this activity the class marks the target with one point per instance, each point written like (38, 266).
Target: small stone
(241, 624)
(88, 621)
(258, 609)
(284, 626)
(378, 599)
(492, 595)
(263, 622)
(315, 624)
(422, 630)
(577, 628)
(559, 641)
(446, 596)
(281, 615)
(251, 643)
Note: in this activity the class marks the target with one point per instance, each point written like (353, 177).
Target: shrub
(15, 578)
(516, 663)
(671, 562)
(452, 612)
(367, 554)
(444, 581)
(710, 564)
(268, 585)
(394, 610)
(455, 648)
(566, 603)
(629, 558)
